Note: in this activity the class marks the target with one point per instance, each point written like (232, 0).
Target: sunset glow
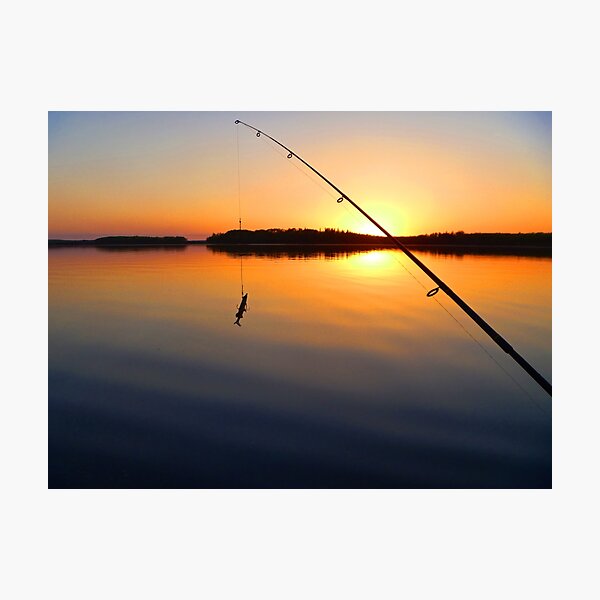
(177, 173)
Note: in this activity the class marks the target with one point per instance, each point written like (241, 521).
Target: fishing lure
(241, 310)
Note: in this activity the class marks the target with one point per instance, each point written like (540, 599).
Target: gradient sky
(176, 173)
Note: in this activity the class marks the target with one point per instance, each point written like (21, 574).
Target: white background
(299, 56)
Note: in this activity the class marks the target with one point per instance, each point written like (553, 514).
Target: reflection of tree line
(295, 251)
(337, 252)
(143, 248)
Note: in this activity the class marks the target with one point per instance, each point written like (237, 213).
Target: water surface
(343, 374)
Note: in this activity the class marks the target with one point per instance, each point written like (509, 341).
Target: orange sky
(177, 173)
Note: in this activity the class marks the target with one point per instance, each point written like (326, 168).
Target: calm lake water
(343, 374)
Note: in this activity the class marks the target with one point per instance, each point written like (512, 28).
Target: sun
(384, 212)
(392, 224)
(369, 229)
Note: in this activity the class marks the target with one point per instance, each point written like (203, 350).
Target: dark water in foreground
(343, 374)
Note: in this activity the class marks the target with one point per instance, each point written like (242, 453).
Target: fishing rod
(494, 335)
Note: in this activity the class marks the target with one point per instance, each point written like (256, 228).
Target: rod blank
(492, 333)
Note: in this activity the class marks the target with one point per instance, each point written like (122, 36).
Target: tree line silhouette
(341, 237)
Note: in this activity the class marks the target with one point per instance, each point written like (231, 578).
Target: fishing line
(458, 322)
(492, 357)
(237, 130)
(242, 272)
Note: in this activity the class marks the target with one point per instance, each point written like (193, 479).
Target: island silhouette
(124, 240)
